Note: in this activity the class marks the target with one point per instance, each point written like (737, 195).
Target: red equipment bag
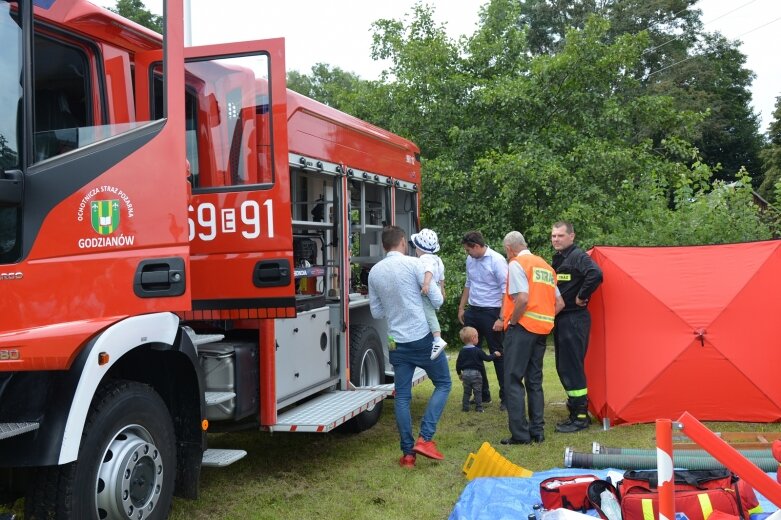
(697, 494)
(566, 492)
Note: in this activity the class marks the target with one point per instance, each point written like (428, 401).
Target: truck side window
(228, 121)
(62, 101)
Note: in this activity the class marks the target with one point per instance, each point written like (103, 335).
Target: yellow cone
(489, 463)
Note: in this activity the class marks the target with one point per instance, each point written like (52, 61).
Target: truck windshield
(10, 88)
(10, 120)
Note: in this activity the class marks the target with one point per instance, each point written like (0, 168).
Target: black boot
(579, 420)
(571, 417)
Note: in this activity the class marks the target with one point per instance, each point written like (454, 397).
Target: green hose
(574, 459)
(765, 454)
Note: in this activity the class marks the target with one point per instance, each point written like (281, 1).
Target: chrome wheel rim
(130, 476)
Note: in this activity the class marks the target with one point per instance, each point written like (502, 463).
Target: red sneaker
(407, 461)
(427, 449)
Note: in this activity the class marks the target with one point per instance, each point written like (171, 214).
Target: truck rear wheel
(367, 368)
(126, 464)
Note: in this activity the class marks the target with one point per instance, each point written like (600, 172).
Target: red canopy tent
(694, 329)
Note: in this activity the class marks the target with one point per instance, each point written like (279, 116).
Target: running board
(213, 398)
(214, 458)
(13, 429)
(327, 411)
(202, 339)
(417, 377)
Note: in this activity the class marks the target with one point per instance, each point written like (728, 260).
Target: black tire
(367, 368)
(126, 463)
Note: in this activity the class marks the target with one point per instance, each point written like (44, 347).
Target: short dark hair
(565, 224)
(391, 237)
(473, 238)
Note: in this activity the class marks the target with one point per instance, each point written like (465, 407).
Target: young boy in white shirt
(426, 245)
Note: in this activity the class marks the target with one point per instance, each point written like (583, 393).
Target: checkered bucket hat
(426, 240)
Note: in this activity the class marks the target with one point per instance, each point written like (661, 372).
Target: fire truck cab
(184, 248)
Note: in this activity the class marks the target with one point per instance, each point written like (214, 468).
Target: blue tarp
(489, 498)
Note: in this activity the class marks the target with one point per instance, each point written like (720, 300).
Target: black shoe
(565, 422)
(538, 438)
(575, 426)
(479, 410)
(485, 401)
(510, 440)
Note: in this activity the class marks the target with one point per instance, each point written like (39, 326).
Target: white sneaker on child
(438, 347)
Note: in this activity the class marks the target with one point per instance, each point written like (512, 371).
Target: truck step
(417, 377)
(203, 339)
(327, 411)
(13, 429)
(213, 398)
(215, 458)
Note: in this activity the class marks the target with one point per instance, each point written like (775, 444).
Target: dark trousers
(483, 319)
(473, 384)
(523, 355)
(571, 342)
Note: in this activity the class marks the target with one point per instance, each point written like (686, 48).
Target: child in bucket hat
(426, 245)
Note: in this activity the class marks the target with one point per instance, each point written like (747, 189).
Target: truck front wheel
(126, 464)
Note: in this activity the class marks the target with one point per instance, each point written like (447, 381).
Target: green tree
(572, 134)
(136, 11)
(715, 81)
(703, 72)
(771, 158)
(426, 90)
(329, 85)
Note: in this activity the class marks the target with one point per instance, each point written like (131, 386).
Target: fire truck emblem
(105, 216)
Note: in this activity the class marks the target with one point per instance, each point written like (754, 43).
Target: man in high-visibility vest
(531, 301)
(578, 276)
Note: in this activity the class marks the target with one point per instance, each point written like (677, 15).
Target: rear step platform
(327, 411)
(13, 429)
(216, 458)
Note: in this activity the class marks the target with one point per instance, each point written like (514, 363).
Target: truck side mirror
(10, 187)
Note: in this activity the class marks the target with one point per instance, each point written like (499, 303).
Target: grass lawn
(348, 476)
(343, 476)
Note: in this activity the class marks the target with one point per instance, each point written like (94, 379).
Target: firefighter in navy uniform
(578, 277)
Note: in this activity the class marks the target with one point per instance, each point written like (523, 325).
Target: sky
(339, 32)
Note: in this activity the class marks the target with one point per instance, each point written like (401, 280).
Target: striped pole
(664, 468)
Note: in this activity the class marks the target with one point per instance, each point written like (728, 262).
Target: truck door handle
(160, 277)
(271, 273)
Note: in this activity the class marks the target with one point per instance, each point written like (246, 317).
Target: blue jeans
(404, 359)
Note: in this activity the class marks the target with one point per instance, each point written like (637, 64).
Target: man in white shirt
(486, 279)
(395, 294)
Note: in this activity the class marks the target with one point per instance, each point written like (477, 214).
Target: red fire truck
(184, 247)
